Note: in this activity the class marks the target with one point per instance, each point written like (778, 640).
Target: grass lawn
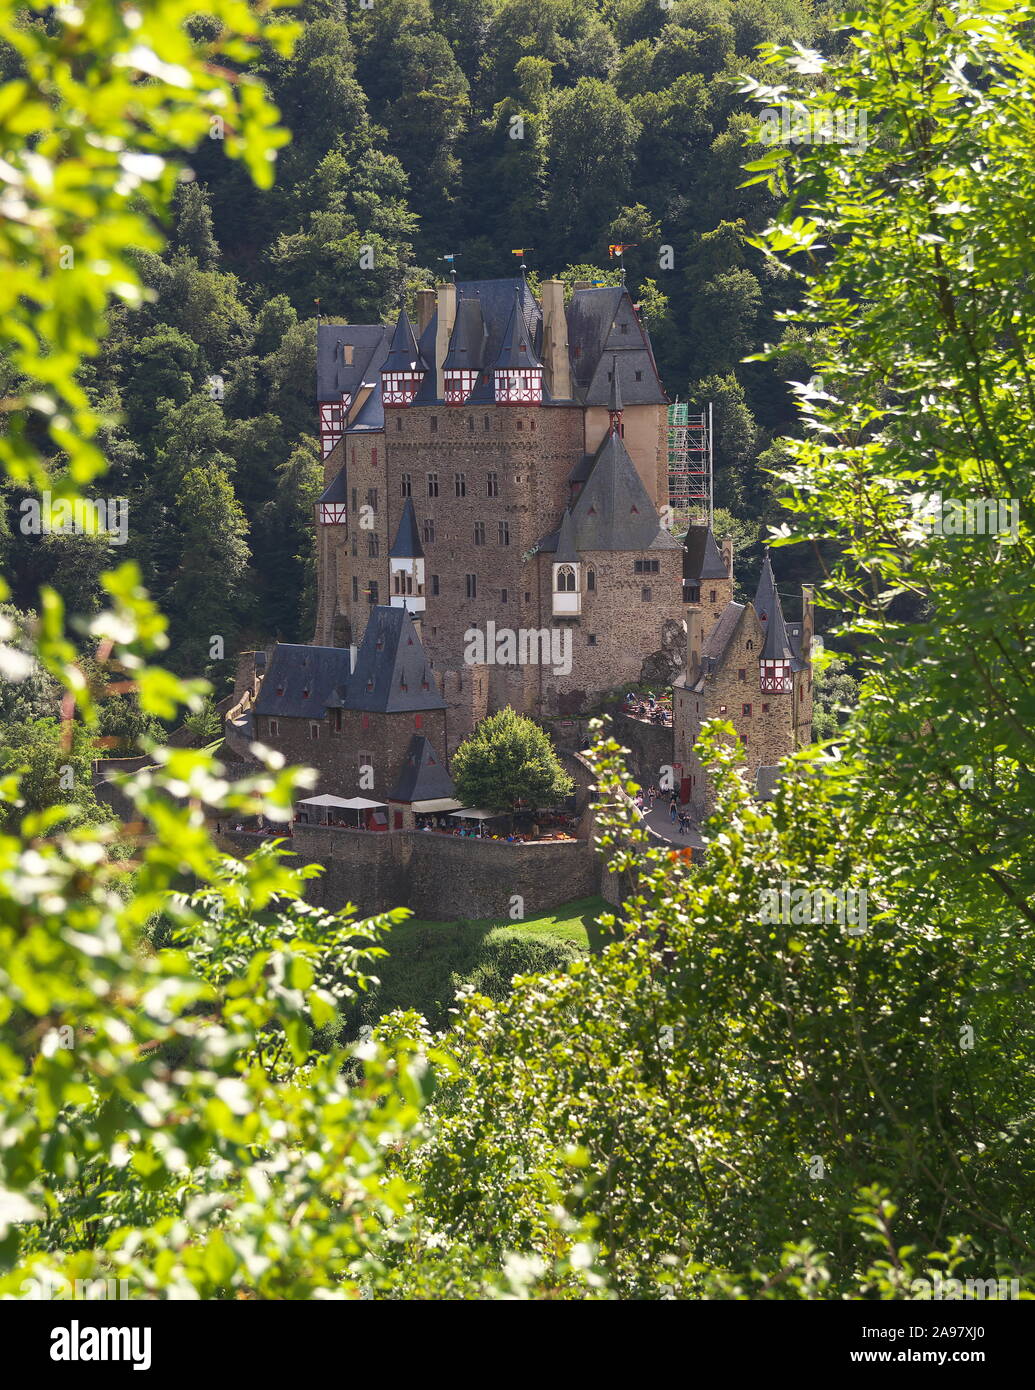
(428, 961)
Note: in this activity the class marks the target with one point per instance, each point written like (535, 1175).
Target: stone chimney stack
(694, 642)
(555, 340)
(443, 333)
(425, 309)
(808, 622)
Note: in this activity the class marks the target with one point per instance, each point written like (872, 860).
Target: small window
(355, 500)
(314, 731)
(274, 727)
(742, 674)
(373, 458)
(418, 721)
(645, 594)
(366, 721)
(460, 484)
(623, 328)
(765, 707)
(407, 484)
(355, 589)
(528, 597)
(503, 596)
(373, 592)
(471, 585)
(750, 645)
(591, 580)
(434, 585)
(373, 546)
(398, 422)
(722, 709)
(337, 721)
(432, 484)
(492, 485)
(470, 424)
(592, 639)
(346, 352)
(429, 531)
(504, 532)
(479, 533)
(434, 424)
(746, 711)
(713, 597)
(639, 376)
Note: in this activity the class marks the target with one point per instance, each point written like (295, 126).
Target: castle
(492, 533)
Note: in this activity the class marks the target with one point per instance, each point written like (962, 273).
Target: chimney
(582, 285)
(727, 556)
(555, 340)
(808, 622)
(425, 309)
(693, 642)
(443, 333)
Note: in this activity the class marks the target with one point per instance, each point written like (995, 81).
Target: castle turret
(518, 372)
(774, 666)
(404, 368)
(406, 562)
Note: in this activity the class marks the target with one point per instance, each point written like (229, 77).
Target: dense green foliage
(718, 1103)
(509, 761)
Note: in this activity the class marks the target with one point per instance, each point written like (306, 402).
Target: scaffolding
(689, 465)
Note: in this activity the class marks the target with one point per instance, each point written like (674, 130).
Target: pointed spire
(407, 544)
(403, 353)
(516, 349)
(770, 615)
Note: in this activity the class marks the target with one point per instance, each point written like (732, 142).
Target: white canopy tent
(475, 814)
(441, 803)
(324, 801)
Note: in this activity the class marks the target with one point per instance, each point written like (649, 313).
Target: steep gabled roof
(602, 324)
(517, 347)
(614, 511)
(467, 345)
(770, 615)
(334, 376)
(403, 354)
(406, 545)
(392, 672)
(423, 776)
(303, 681)
(371, 414)
(703, 557)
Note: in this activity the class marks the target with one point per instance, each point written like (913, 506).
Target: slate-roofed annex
(392, 672)
(335, 376)
(703, 558)
(614, 511)
(423, 776)
(303, 682)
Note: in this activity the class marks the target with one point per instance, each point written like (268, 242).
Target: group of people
(644, 803)
(650, 709)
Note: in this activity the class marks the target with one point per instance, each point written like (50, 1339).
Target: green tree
(508, 760)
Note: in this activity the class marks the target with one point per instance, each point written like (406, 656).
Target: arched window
(750, 646)
(591, 580)
(565, 579)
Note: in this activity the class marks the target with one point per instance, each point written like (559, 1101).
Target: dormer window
(458, 385)
(519, 386)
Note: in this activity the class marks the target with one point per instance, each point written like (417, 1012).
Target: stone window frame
(479, 533)
(591, 580)
(745, 711)
(460, 484)
(503, 532)
(471, 585)
(314, 731)
(428, 530)
(407, 484)
(646, 594)
(565, 580)
(492, 484)
(432, 484)
(274, 728)
(434, 586)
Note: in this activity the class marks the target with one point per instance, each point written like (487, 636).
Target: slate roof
(335, 491)
(596, 320)
(423, 776)
(614, 511)
(717, 641)
(407, 545)
(303, 681)
(334, 376)
(488, 334)
(517, 348)
(467, 345)
(392, 669)
(403, 354)
(566, 552)
(703, 559)
(371, 415)
(770, 614)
